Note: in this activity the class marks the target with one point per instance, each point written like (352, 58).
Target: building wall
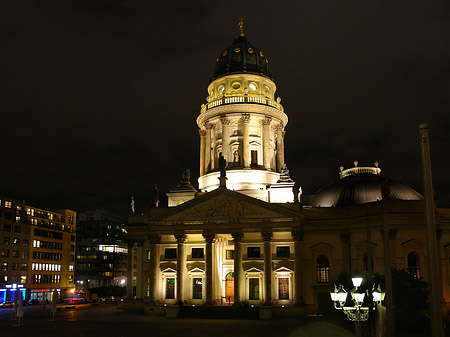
(41, 249)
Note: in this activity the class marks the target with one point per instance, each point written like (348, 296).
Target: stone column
(298, 281)
(181, 265)
(209, 239)
(266, 141)
(225, 138)
(202, 134)
(130, 263)
(246, 140)
(346, 257)
(280, 147)
(208, 167)
(140, 269)
(267, 237)
(154, 263)
(212, 146)
(237, 266)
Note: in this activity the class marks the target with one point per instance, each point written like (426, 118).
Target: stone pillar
(267, 237)
(208, 166)
(225, 138)
(130, 269)
(181, 265)
(213, 142)
(298, 281)
(237, 266)
(280, 147)
(246, 140)
(140, 269)
(209, 239)
(154, 263)
(266, 141)
(346, 257)
(202, 134)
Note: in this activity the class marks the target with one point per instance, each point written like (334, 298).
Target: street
(105, 320)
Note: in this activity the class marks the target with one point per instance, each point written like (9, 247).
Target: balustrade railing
(242, 99)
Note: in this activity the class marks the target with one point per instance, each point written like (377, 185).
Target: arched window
(413, 265)
(323, 269)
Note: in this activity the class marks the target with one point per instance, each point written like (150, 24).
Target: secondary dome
(241, 56)
(360, 185)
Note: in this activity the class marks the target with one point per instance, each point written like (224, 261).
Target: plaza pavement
(105, 320)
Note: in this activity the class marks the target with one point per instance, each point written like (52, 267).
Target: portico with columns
(220, 248)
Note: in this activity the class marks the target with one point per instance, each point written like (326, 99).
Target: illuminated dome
(241, 57)
(360, 185)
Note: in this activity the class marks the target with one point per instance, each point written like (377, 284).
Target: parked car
(33, 301)
(6, 304)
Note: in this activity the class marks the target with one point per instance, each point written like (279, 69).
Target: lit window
(23, 279)
(16, 241)
(283, 288)
(8, 204)
(70, 267)
(253, 284)
(230, 254)
(148, 255)
(252, 86)
(323, 269)
(197, 288)
(170, 288)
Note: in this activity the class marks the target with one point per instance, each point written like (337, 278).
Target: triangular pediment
(283, 270)
(223, 204)
(413, 244)
(253, 270)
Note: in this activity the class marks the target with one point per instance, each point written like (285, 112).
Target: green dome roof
(242, 57)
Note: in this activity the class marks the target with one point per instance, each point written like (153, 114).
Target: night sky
(99, 99)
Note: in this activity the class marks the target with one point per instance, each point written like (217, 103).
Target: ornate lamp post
(356, 313)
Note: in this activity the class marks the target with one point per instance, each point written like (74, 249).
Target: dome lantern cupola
(242, 121)
(360, 185)
(242, 56)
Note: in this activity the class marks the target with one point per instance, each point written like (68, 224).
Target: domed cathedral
(245, 238)
(243, 122)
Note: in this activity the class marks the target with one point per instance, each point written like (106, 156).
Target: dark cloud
(99, 98)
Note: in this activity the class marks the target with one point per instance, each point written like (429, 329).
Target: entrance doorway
(229, 287)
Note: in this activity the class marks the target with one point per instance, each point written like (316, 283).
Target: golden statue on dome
(241, 26)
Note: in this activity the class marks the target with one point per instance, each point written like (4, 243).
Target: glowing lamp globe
(356, 281)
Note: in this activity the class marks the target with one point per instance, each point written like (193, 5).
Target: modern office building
(101, 250)
(37, 250)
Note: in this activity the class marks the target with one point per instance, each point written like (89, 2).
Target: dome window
(236, 85)
(250, 50)
(252, 86)
(224, 53)
(237, 50)
(221, 89)
(261, 54)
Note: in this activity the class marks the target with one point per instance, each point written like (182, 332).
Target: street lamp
(356, 313)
